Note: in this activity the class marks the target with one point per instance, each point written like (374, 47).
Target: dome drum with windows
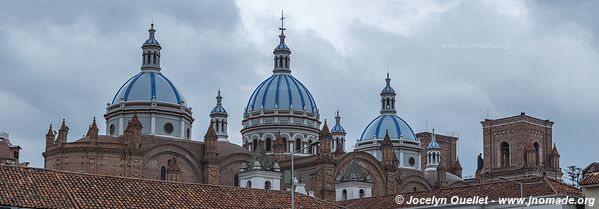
(160, 106)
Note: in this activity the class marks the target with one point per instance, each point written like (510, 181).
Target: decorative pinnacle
(337, 118)
(152, 30)
(219, 98)
(388, 80)
(282, 28)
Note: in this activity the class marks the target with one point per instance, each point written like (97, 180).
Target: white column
(153, 124)
(182, 133)
(121, 125)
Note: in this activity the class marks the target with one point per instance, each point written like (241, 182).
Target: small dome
(282, 92)
(396, 126)
(337, 128)
(151, 41)
(281, 46)
(218, 109)
(388, 89)
(149, 86)
(434, 145)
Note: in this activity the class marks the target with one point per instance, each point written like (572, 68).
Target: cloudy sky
(450, 62)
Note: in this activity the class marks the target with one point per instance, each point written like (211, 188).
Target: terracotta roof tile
(591, 179)
(538, 186)
(39, 188)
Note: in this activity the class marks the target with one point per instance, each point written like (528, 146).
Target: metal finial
(282, 28)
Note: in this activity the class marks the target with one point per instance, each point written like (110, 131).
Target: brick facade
(518, 146)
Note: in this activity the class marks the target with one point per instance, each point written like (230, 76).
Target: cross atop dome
(282, 59)
(282, 28)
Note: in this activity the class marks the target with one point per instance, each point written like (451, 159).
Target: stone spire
(457, 168)
(388, 98)
(210, 143)
(62, 133)
(133, 132)
(279, 147)
(151, 52)
(49, 137)
(441, 174)
(389, 158)
(92, 132)
(210, 161)
(325, 141)
(554, 156)
(282, 53)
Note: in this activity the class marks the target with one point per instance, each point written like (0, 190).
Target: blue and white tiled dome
(149, 86)
(434, 145)
(283, 92)
(218, 109)
(396, 126)
(337, 128)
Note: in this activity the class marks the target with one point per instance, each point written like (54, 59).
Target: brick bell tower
(518, 147)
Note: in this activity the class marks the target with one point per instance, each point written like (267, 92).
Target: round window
(412, 161)
(111, 129)
(168, 128)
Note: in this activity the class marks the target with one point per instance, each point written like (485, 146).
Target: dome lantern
(151, 52)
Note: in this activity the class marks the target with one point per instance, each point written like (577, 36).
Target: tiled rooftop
(591, 179)
(40, 188)
(537, 186)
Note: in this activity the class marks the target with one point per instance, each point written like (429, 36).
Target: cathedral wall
(153, 168)
(158, 150)
(82, 162)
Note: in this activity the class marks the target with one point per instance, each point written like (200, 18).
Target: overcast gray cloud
(450, 61)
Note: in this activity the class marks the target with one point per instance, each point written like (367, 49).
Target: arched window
(148, 58)
(280, 61)
(362, 194)
(285, 143)
(267, 185)
(310, 150)
(268, 144)
(287, 62)
(154, 53)
(248, 184)
(275, 59)
(254, 144)
(298, 144)
(217, 125)
(344, 195)
(537, 153)
(505, 154)
(236, 180)
(162, 173)
(222, 126)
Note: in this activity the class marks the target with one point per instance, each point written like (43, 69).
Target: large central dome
(149, 86)
(281, 106)
(282, 92)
